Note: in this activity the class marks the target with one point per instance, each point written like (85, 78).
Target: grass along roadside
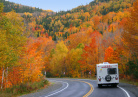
(129, 82)
(23, 89)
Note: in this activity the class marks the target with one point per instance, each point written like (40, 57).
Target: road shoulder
(54, 86)
(132, 88)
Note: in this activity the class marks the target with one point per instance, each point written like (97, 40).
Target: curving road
(83, 88)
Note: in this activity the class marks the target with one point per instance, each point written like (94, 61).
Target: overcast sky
(55, 5)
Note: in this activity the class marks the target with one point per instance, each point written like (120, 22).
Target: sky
(55, 5)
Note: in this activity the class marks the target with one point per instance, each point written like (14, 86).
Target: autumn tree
(57, 63)
(12, 41)
(96, 21)
(32, 61)
(89, 57)
(73, 68)
(74, 39)
(56, 26)
(108, 54)
(130, 36)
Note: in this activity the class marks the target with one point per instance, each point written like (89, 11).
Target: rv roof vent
(105, 63)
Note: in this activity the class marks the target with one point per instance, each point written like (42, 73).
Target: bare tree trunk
(2, 78)
(6, 75)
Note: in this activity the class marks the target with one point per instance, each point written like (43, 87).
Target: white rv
(107, 74)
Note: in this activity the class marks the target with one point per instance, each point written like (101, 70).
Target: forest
(68, 43)
(18, 8)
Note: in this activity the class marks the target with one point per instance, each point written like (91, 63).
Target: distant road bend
(72, 88)
(82, 88)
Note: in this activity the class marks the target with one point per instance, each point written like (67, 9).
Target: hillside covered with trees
(9, 6)
(70, 43)
(96, 11)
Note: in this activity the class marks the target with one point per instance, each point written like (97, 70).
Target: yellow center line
(91, 86)
(91, 90)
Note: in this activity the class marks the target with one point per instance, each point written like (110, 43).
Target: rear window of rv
(112, 71)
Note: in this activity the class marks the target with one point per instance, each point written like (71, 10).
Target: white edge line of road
(124, 91)
(59, 90)
(118, 87)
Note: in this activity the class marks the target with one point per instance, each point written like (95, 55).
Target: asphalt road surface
(81, 88)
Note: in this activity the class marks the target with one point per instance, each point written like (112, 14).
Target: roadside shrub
(133, 69)
(23, 88)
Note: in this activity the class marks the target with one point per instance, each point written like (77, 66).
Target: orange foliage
(77, 38)
(108, 54)
(89, 57)
(84, 27)
(96, 21)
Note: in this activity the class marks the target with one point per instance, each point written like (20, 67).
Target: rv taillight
(116, 78)
(99, 79)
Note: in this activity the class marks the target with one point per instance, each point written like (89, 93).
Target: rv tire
(114, 85)
(99, 85)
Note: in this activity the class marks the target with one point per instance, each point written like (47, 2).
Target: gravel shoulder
(132, 88)
(38, 93)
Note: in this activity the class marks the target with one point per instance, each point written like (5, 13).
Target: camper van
(107, 74)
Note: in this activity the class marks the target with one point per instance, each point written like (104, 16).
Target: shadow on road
(107, 86)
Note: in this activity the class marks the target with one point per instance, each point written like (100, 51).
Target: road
(83, 88)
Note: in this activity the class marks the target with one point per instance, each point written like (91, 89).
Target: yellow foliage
(28, 14)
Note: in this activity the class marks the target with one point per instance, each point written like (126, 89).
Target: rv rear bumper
(108, 83)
